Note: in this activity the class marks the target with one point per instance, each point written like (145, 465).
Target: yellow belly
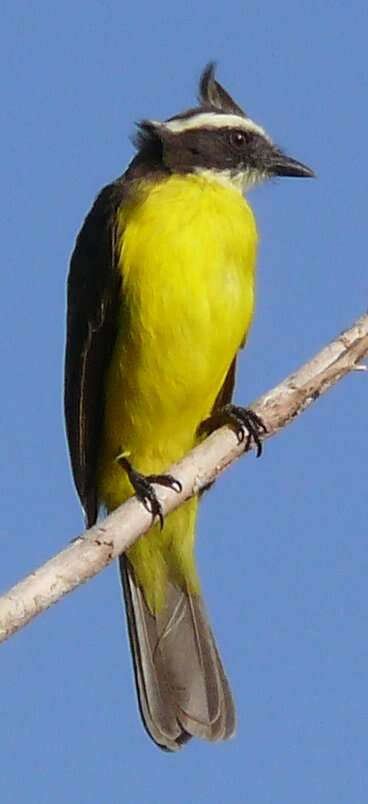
(186, 253)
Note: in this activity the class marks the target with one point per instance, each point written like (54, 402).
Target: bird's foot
(247, 425)
(142, 485)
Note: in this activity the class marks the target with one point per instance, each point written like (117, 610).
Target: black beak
(281, 165)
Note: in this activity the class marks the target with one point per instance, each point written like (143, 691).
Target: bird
(160, 300)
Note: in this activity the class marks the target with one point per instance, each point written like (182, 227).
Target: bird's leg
(240, 420)
(142, 485)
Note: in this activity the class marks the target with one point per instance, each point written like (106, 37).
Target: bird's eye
(238, 138)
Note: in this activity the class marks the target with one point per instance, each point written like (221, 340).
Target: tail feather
(182, 688)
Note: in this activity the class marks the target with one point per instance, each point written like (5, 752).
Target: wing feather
(93, 298)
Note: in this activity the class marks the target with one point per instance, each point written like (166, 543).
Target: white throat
(241, 181)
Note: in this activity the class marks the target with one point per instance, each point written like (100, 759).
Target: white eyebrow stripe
(212, 120)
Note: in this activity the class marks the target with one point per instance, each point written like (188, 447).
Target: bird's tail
(181, 685)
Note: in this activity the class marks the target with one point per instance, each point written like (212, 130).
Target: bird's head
(218, 138)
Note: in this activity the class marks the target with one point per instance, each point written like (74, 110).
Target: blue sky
(282, 541)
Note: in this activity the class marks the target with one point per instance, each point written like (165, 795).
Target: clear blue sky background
(283, 541)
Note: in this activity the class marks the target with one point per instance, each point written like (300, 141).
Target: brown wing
(225, 395)
(93, 298)
(223, 398)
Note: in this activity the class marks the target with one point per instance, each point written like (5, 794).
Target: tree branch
(95, 549)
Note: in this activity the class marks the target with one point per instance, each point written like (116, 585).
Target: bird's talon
(166, 480)
(247, 425)
(142, 485)
(177, 486)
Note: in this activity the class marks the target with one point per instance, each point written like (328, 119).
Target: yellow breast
(187, 249)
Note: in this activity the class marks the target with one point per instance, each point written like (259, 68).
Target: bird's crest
(212, 95)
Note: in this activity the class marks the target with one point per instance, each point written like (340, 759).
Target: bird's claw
(145, 493)
(247, 425)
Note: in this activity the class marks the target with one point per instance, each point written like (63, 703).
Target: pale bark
(95, 549)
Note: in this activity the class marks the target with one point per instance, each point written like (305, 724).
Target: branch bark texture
(97, 547)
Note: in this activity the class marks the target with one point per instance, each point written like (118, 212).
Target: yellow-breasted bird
(160, 300)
